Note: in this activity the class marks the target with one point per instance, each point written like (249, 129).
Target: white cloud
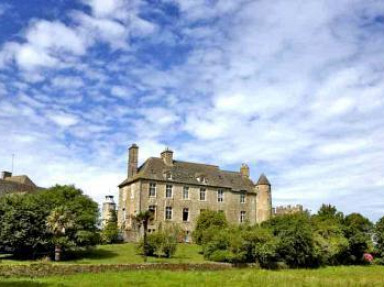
(63, 119)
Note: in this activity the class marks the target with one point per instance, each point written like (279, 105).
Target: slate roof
(263, 180)
(154, 168)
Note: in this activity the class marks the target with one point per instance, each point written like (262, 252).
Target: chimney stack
(6, 174)
(244, 170)
(167, 156)
(133, 158)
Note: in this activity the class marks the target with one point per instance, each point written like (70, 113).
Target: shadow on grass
(92, 254)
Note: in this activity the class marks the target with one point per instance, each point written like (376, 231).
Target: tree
(296, 245)
(110, 233)
(330, 241)
(379, 232)
(207, 220)
(58, 222)
(144, 218)
(23, 221)
(357, 230)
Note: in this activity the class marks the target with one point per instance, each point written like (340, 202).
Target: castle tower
(263, 199)
(108, 210)
(133, 159)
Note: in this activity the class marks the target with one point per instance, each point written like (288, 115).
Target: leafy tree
(58, 222)
(329, 238)
(110, 233)
(206, 225)
(23, 220)
(357, 230)
(296, 245)
(379, 231)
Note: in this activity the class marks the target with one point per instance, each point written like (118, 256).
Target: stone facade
(288, 209)
(12, 184)
(178, 191)
(109, 206)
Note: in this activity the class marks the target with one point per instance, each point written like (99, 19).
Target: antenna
(13, 159)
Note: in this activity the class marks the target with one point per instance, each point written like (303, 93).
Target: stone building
(177, 191)
(20, 183)
(287, 209)
(109, 206)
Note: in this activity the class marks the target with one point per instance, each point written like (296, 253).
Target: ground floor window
(242, 216)
(185, 214)
(187, 236)
(168, 213)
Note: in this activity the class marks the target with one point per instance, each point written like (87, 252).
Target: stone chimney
(133, 158)
(167, 156)
(5, 174)
(244, 170)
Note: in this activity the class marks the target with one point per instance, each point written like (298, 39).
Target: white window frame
(242, 216)
(152, 187)
(204, 190)
(220, 195)
(168, 188)
(168, 209)
(186, 192)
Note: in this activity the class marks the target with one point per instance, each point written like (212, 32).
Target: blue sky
(294, 89)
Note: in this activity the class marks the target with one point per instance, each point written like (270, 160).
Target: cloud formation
(293, 89)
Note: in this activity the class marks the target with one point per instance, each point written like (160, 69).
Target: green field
(336, 276)
(123, 253)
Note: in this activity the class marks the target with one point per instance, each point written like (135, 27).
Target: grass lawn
(330, 276)
(124, 253)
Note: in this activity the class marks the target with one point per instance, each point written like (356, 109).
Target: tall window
(185, 192)
(202, 193)
(168, 213)
(242, 216)
(168, 191)
(152, 208)
(185, 214)
(152, 189)
(220, 195)
(242, 197)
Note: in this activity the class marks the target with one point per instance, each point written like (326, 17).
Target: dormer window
(167, 175)
(202, 179)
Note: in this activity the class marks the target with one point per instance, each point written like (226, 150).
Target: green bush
(207, 220)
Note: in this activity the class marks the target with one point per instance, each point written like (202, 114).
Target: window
(168, 191)
(124, 214)
(152, 189)
(202, 193)
(168, 213)
(220, 195)
(242, 197)
(152, 208)
(185, 214)
(242, 216)
(186, 192)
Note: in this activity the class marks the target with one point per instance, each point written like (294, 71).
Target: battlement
(287, 209)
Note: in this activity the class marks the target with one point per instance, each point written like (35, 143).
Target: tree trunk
(57, 252)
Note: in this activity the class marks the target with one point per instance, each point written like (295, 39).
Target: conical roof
(263, 180)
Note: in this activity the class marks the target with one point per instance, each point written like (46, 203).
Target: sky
(294, 89)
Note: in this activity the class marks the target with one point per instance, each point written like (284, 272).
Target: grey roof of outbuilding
(21, 183)
(154, 168)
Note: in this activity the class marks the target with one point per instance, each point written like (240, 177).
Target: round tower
(109, 207)
(263, 199)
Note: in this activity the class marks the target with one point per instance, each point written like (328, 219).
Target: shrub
(208, 219)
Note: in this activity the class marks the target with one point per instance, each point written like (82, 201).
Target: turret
(133, 158)
(263, 199)
(108, 210)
